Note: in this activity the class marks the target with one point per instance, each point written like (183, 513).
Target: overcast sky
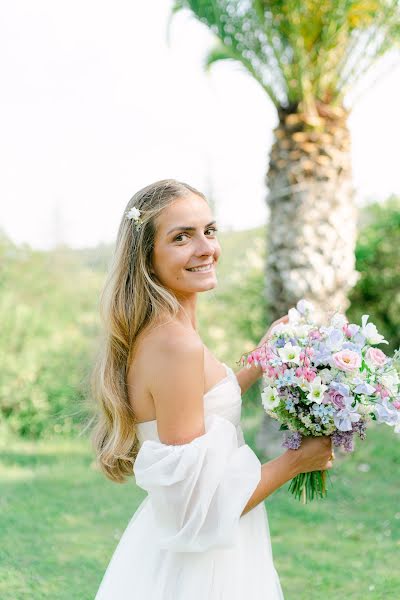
(95, 104)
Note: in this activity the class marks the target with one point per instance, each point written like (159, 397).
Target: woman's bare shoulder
(171, 337)
(162, 343)
(176, 383)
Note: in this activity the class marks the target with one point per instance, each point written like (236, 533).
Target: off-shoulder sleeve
(198, 490)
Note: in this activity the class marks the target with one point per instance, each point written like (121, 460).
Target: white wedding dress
(187, 540)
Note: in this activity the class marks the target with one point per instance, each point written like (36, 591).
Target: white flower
(133, 213)
(326, 375)
(303, 384)
(338, 320)
(316, 390)
(390, 380)
(294, 316)
(335, 339)
(306, 420)
(290, 353)
(270, 398)
(269, 381)
(304, 306)
(301, 331)
(370, 332)
(365, 409)
(282, 328)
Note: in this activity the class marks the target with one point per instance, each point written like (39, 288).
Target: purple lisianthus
(292, 440)
(338, 392)
(337, 399)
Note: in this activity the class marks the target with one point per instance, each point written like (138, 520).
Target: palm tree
(307, 55)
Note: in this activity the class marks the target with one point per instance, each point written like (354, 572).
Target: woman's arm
(314, 454)
(274, 474)
(247, 377)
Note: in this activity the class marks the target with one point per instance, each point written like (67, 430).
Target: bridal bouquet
(326, 380)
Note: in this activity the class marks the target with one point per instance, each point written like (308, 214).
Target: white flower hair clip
(134, 215)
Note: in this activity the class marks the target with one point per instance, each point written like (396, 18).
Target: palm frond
(304, 52)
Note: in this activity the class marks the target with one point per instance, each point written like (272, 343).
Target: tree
(307, 55)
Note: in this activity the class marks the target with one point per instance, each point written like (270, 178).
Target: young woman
(169, 413)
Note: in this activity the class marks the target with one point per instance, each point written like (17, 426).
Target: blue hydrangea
(289, 405)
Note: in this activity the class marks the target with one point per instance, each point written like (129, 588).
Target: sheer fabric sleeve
(198, 490)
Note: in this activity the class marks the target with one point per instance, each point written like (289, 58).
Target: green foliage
(48, 322)
(377, 292)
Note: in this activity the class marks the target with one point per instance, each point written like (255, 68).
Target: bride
(168, 412)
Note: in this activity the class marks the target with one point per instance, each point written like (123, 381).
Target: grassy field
(60, 521)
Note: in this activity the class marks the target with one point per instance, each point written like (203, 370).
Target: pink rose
(376, 357)
(396, 404)
(346, 360)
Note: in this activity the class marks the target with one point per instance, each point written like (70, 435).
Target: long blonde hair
(131, 299)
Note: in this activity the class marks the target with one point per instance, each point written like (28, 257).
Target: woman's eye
(178, 237)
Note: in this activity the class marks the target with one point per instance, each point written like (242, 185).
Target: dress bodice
(223, 399)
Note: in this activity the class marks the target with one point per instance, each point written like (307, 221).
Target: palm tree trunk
(312, 225)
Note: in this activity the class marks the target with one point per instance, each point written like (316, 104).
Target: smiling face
(185, 239)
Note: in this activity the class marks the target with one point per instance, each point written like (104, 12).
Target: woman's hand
(314, 454)
(267, 335)
(246, 377)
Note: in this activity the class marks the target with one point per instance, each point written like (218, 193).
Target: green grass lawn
(60, 521)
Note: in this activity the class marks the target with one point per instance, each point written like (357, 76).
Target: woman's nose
(205, 246)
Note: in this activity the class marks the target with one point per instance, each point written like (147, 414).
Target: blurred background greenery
(50, 324)
(60, 519)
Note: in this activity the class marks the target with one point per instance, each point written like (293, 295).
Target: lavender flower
(280, 342)
(292, 441)
(343, 439)
(360, 427)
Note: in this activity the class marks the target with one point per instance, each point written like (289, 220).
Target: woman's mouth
(203, 269)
